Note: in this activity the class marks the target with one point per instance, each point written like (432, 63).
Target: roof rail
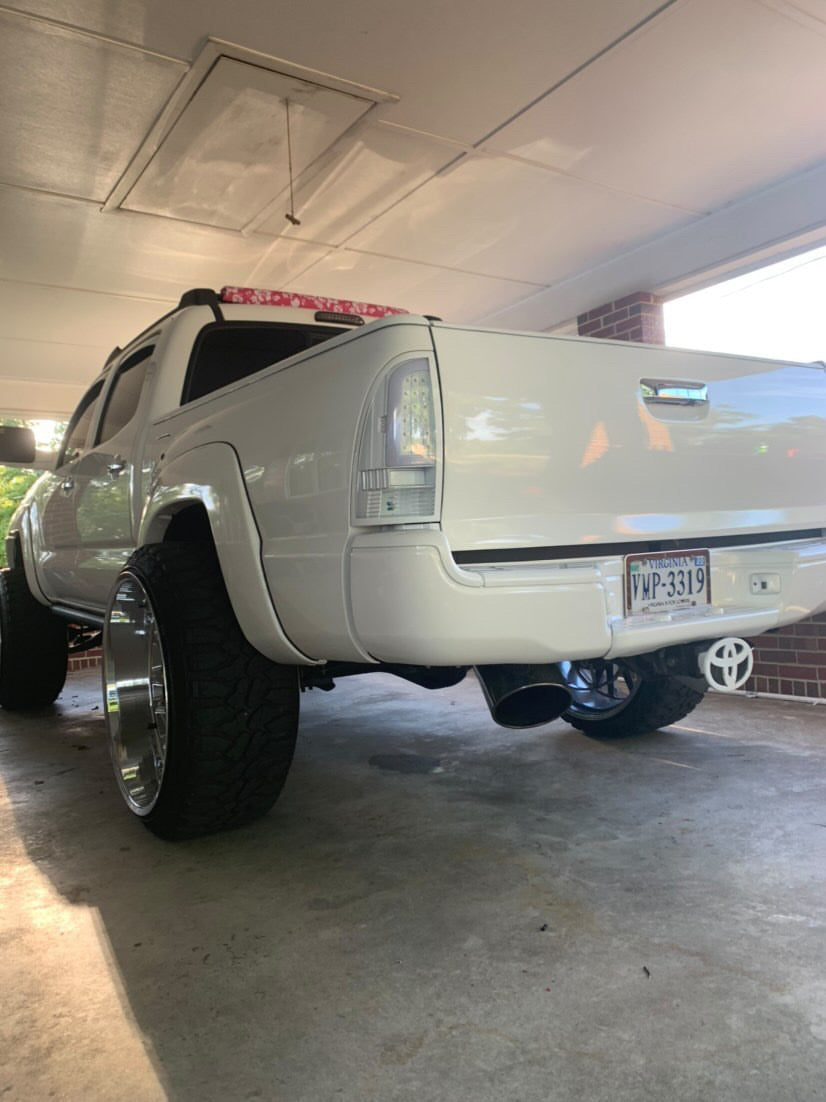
(202, 296)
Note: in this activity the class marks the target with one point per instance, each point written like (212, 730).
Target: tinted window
(229, 351)
(124, 395)
(74, 442)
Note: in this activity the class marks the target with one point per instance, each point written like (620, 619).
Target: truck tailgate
(557, 441)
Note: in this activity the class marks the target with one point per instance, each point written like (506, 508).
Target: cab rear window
(226, 352)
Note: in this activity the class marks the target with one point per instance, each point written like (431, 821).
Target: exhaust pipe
(524, 696)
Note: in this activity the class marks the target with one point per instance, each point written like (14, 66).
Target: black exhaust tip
(524, 696)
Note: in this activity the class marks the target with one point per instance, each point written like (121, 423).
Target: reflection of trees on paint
(13, 486)
(103, 513)
(799, 432)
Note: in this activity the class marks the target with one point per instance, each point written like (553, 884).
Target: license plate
(665, 581)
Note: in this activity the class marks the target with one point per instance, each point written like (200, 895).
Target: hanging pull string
(291, 218)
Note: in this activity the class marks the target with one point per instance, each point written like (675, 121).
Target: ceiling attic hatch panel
(225, 157)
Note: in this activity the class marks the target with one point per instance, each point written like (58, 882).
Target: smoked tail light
(397, 479)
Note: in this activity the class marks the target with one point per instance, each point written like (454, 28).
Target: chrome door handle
(67, 485)
(673, 392)
(117, 465)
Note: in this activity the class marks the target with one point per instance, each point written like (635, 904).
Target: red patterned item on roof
(253, 296)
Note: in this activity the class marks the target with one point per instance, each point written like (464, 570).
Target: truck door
(108, 487)
(54, 528)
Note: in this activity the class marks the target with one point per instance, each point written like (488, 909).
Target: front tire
(202, 726)
(33, 647)
(611, 700)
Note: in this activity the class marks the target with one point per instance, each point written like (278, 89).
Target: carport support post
(636, 317)
(790, 661)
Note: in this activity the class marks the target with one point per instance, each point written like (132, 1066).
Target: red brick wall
(636, 317)
(790, 660)
(86, 660)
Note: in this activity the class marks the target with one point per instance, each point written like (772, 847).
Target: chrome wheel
(136, 694)
(599, 689)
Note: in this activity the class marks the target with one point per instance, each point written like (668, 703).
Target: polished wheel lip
(136, 694)
(593, 688)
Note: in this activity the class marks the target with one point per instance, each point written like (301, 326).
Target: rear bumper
(411, 603)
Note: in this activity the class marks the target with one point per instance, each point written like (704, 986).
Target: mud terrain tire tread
(33, 646)
(233, 714)
(659, 702)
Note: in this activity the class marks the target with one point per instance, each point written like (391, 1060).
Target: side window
(74, 442)
(226, 352)
(124, 394)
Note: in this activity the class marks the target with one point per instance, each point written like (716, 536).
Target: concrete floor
(437, 909)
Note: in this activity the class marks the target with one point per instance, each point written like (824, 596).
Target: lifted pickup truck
(264, 492)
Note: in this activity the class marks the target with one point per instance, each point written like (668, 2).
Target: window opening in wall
(776, 311)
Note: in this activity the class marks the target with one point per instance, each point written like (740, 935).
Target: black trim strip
(85, 617)
(604, 550)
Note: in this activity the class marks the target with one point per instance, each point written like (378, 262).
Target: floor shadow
(325, 951)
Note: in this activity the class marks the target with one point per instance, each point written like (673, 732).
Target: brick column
(636, 317)
(789, 661)
(792, 660)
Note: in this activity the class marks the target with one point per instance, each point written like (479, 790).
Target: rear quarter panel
(295, 428)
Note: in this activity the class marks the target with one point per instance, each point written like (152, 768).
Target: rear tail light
(398, 458)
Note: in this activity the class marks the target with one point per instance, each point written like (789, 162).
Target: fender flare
(210, 475)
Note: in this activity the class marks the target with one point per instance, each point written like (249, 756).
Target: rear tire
(33, 647)
(202, 726)
(611, 701)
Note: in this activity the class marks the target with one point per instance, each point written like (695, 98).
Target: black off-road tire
(654, 703)
(232, 713)
(33, 647)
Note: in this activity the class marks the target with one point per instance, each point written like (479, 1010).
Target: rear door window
(124, 394)
(74, 442)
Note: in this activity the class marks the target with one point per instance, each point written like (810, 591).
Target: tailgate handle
(671, 392)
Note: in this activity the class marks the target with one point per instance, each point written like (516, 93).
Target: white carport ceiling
(511, 165)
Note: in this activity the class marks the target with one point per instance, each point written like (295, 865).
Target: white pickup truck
(264, 492)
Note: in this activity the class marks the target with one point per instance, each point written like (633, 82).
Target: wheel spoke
(599, 687)
(136, 695)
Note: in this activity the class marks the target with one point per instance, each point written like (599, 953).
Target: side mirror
(17, 446)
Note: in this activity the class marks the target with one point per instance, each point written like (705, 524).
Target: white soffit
(789, 217)
(127, 254)
(24, 398)
(712, 101)
(282, 262)
(455, 296)
(459, 66)
(223, 155)
(74, 107)
(808, 13)
(46, 362)
(51, 316)
(500, 217)
(359, 179)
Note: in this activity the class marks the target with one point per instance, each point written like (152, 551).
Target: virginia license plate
(665, 581)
